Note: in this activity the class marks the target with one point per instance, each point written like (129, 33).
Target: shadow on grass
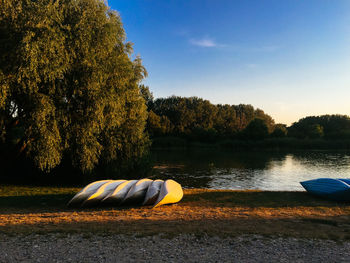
(57, 201)
(250, 199)
(50, 203)
(259, 199)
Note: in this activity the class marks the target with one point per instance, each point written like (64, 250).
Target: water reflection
(208, 168)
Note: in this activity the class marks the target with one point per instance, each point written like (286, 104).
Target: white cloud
(207, 42)
(204, 42)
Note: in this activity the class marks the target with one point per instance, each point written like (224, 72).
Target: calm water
(214, 169)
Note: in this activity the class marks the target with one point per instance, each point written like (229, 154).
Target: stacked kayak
(128, 192)
(334, 189)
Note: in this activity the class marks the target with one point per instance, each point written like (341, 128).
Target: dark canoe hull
(333, 189)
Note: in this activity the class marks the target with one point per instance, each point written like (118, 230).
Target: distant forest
(197, 119)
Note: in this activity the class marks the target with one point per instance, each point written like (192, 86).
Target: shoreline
(223, 213)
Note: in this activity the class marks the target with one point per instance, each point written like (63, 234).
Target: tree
(147, 95)
(268, 120)
(327, 126)
(279, 131)
(245, 114)
(226, 122)
(195, 118)
(157, 125)
(256, 130)
(68, 83)
(315, 131)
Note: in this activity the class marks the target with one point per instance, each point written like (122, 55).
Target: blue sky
(289, 58)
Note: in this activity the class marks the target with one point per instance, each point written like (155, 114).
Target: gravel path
(183, 248)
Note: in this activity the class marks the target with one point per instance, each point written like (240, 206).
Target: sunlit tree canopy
(69, 87)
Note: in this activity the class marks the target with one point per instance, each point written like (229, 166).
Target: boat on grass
(334, 189)
(102, 192)
(153, 192)
(86, 192)
(170, 193)
(137, 192)
(128, 192)
(117, 196)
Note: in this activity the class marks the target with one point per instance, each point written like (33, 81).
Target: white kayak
(102, 192)
(118, 195)
(137, 192)
(86, 192)
(153, 192)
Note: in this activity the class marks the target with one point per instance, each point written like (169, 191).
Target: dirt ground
(224, 213)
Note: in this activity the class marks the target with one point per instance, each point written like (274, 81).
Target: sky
(290, 58)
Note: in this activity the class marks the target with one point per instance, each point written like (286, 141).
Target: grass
(34, 197)
(212, 212)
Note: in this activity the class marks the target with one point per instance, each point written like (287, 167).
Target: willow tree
(68, 84)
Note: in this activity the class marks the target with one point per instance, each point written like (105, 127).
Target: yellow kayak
(170, 192)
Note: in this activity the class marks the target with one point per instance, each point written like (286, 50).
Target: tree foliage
(69, 87)
(158, 126)
(199, 119)
(147, 95)
(279, 131)
(327, 126)
(256, 129)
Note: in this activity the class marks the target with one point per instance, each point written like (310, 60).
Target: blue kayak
(334, 189)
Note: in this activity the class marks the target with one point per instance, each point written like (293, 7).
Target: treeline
(197, 119)
(331, 127)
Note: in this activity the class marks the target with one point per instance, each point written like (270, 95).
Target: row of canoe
(128, 192)
(159, 192)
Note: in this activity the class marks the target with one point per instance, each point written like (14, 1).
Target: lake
(275, 171)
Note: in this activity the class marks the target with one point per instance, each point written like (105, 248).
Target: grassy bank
(212, 212)
(266, 144)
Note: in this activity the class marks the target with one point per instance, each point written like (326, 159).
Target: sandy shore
(183, 248)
